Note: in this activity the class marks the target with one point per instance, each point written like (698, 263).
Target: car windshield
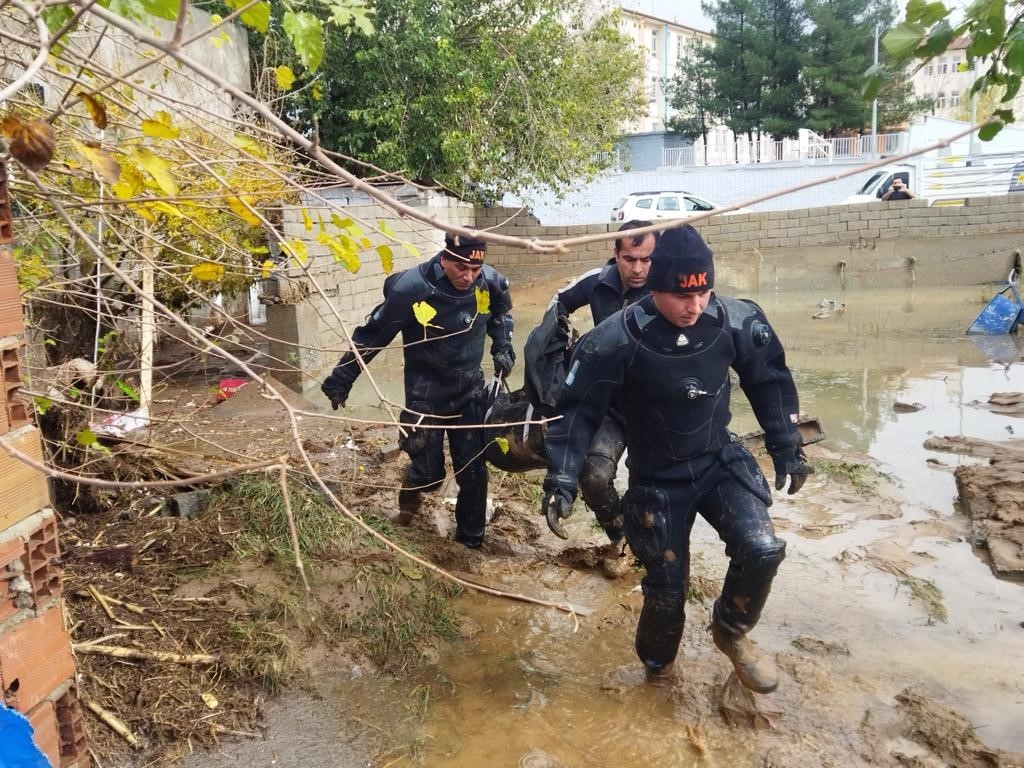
(696, 204)
(870, 183)
(619, 204)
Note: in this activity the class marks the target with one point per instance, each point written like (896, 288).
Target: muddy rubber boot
(662, 675)
(616, 560)
(409, 503)
(755, 670)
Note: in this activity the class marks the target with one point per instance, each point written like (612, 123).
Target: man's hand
(556, 507)
(336, 396)
(503, 362)
(791, 464)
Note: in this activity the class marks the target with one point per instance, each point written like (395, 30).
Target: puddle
(533, 688)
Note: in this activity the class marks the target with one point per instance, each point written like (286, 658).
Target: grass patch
(928, 595)
(405, 613)
(863, 478)
(270, 657)
(258, 505)
(522, 486)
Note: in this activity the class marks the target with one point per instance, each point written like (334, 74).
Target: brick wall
(37, 667)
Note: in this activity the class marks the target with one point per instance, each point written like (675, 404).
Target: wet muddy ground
(897, 644)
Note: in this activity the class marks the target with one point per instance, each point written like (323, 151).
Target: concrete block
(35, 658)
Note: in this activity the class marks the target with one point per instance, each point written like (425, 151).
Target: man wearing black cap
(442, 371)
(667, 358)
(606, 290)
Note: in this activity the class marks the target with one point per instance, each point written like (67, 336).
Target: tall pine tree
(692, 94)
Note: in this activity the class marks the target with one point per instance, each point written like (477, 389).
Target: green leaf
(901, 41)
(982, 45)
(257, 17)
(502, 444)
(306, 33)
(916, 9)
(932, 13)
(56, 16)
(874, 79)
(43, 404)
(128, 389)
(1014, 58)
(939, 38)
(989, 130)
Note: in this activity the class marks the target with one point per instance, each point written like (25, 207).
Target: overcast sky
(686, 12)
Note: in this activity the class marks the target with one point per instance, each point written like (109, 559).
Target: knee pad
(414, 441)
(660, 628)
(645, 515)
(761, 554)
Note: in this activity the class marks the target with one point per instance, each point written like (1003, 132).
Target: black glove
(336, 395)
(503, 361)
(556, 506)
(791, 463)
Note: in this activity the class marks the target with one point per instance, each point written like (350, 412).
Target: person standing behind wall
(668, 359)
(442, 371)
(606, 290)
(898, 190)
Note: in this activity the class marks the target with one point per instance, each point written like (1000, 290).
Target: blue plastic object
(17, 750)
(1003, 312)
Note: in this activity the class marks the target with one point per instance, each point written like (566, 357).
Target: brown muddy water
(847, 623)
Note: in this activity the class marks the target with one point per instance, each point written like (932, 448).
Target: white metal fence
(808, 146)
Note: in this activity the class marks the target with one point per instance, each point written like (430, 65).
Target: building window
(940, 101)
(654, 42)
(929, 70)
(652, 92)
(954, 99)
(943, 67)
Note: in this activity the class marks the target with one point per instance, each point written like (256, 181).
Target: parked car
(663, 205)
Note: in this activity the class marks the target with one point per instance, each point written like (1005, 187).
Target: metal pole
(874, 108)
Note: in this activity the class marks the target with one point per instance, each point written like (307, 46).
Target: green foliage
(994, 29)
(693, 94)
(480, 97)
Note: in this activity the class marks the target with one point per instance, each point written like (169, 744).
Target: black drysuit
(673, 385)
(442, 375)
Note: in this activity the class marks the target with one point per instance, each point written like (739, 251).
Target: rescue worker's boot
(754, 668)
(616, 559)
(409, 503)
(659, 675)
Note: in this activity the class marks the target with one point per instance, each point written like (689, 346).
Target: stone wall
(882, 244)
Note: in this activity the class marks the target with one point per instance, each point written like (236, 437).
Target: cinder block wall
(881, 244)
(37, 668)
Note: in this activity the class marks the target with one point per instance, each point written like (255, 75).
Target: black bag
(525, 442)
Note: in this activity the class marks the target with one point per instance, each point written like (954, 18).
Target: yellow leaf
(502, 444)
(387, 258)
(105, 166)
(385, 228)
(160, 127)
(159, 169)
(242, 207)
(424, 313)
(364, 242)
(413, 574)
(208, 272)
(248, 144)
(307, 220)
(347, 224)
(296, 249)
(412, 249)
(94, 106)
(483, 301)
(209, 700)
(285, 77)
(318, 91)
(343, 250)
(131, 182)
(166, 208)
(266, 268)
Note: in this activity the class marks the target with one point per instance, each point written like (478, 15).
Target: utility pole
(874, 108)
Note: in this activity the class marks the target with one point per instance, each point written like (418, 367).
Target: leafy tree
(481, 97)
(995, 29)
(775, 59)
(692, 94)
(738, 86)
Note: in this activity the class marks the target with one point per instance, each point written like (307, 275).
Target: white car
(648, 206)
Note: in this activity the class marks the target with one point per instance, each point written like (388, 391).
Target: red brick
(44, 731)
(11, 321)
(71, 730)
(14, 410)
(10, 553)
(28, 551)
(35, 658)
(23, 489)
(41, 550)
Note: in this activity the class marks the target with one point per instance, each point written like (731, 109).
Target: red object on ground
(227, 387)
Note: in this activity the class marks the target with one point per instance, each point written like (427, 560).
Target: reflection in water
(531, 689)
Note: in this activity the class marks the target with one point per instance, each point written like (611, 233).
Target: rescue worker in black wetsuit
(606, 290)
(668, 358)
(442, 371)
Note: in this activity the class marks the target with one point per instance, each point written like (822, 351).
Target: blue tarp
(17, 750)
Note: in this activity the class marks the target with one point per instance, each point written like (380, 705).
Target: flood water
(534, 687)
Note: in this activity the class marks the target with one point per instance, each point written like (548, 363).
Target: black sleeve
(577, 294)
(592, 384)
(767, 381)
(500, 325)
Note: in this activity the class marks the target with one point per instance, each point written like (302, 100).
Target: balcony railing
(809, 146)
